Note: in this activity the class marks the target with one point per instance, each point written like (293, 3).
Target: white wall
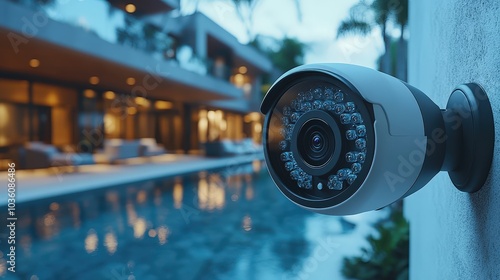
(455, 235)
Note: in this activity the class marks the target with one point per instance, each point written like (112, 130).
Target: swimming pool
(223, 224)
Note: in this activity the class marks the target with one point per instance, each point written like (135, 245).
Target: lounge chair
(118, 149)
(39, 155)
(223, 148)
(149, 147)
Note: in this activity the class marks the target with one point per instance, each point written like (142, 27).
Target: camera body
(342, 139)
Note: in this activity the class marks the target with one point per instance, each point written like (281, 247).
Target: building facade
(454, 235)
(75, 73)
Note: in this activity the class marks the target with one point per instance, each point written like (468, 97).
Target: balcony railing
(120, 27)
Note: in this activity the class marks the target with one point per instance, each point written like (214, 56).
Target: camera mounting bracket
(471, 136)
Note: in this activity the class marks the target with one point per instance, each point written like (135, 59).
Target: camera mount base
(473, 130)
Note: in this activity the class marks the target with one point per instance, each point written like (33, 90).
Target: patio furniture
(118, 149)
(149, 147)
(230, 148)
(36, 155)
(219, 148)
(249, 146)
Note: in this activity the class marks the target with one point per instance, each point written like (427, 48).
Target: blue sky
(275, 18)
(320, 19)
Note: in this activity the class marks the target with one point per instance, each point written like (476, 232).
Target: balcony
(94, 38)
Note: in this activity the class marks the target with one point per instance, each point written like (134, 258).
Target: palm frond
(353, 26)
(400, 10)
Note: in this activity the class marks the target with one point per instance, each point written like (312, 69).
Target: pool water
(224, 224)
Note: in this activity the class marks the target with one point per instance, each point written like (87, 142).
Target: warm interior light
(247, 89)
(252, 117)
(223, 125)
(163, 105)
(109, 95)
(110, 123)
(257, 128)
(34, 63)
(4, 116)
(130, 8)
(239, 80)
(131, 110)
(94, 80)
(142, 101)
(88, 93)
(242, 70)
(130, 81)
(211, 115)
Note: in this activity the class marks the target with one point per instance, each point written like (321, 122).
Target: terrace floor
(44, 183)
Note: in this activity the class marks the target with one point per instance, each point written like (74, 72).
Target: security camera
(342, 139)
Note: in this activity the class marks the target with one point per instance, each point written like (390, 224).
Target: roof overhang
(71, 55)
(147, 7)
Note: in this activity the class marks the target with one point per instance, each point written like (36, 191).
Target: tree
(289, 55)
(401, 13)
(285, 54)
(245, 10)
(365, 15)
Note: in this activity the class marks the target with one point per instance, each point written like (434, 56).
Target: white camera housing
(342, 139)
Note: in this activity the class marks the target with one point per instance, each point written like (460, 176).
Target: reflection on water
(211, 192)
(54, 206)
(162, 234)
(247, 223)
(141, 196)
(3, 265)
(178, 193)
(110, 242)
(229, 224)
(139, 227)
(91, 241)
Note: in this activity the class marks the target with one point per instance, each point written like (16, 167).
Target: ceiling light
(163, 105)
(34, 63)
(94, 80)
(130, 81)
(130, 8)
(109, 95)
(88, 93)
(131, 110)
(142, 101)
(243, 70)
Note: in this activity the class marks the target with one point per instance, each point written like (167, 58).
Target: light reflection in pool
(110, 242)
(204, 225)
(177, 192)
(211, 193)
(139, 225)
(91, 241)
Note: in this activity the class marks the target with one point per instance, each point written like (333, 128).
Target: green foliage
(290, 54)
(143, 36)
(285, 54)
(353, 26)
(364, 16)
(387, 256)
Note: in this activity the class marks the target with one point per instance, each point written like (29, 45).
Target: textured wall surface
(455, 235)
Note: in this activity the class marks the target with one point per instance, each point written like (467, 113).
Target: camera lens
(317, 142)
(316, 138)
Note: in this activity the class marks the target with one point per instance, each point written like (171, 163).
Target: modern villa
(75, 75)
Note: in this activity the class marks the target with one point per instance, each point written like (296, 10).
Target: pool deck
(39, 184)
